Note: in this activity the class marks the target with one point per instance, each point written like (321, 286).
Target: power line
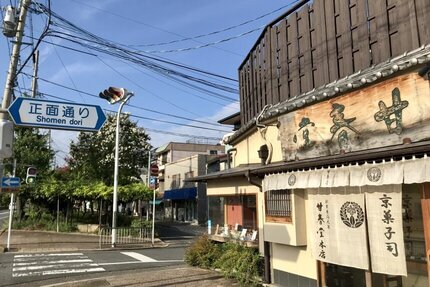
(151, 26)
(207, 44)
(182, 135)
(164, 82)
(137, 58)
(218, 31)
(130, 105)
(144, 118)
(101, 45)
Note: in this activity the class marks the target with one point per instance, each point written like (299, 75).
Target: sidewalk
(42, 241)
(168, 276)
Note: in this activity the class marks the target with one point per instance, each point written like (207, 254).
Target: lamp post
(114, 95)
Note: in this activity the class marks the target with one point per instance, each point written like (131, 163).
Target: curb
(64, 249)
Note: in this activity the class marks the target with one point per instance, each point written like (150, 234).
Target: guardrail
(124, 236)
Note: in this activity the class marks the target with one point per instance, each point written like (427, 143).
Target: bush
(139, 223)
(235, 260)
(203, 253)
(40, 219)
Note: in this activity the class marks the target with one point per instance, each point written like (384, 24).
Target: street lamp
(114, 95)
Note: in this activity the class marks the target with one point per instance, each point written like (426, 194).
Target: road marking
(52, 264)
(47, 255)
(60, 271)
(26, 268)
(140, 257)
(140, 262)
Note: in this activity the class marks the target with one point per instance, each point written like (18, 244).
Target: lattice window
(278, 205)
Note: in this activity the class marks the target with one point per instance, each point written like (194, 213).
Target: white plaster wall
(296, 260)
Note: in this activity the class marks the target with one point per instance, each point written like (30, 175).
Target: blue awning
(181, 193)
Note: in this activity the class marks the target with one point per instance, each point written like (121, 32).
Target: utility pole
(11, 76)
(35, 73)
(7, 95)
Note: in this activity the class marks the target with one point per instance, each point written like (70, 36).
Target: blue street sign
(56, 115)
(10, 182)
(152, 180)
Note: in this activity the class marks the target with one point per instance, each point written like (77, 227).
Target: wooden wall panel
(254, 91)
(360, 36)
(304, 40)
(241, 76)
(332, 55)
(343, 27)
(293, 56)
(320, 59)
(283, 61)
(274, 65)
(422, 8)
(257, 67)
(267, 65)
(379, 31)
(326, 40)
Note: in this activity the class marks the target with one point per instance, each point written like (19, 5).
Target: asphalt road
(39, 269)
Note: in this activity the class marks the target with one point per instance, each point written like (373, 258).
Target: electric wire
(135, 68)
(137, 58)
(68, 74)
(94, 42)
(44, 33)
(153, 27)
(129, 105)
(217, 31)
(140, 86)
(140, 117)
(206, 44)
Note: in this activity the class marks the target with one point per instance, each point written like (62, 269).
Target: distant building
(184, 201)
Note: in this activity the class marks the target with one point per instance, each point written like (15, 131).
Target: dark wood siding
(324, 41)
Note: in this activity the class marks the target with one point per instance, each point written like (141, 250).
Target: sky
(164, 107)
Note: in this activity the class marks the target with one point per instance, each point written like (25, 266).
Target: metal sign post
(11, 207)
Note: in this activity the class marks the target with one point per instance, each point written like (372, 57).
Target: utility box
(6, 139)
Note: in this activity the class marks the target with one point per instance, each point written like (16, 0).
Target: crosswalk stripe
(140, 257)
(48, 259)
(52, 264)
(59, 271)
(46, 255)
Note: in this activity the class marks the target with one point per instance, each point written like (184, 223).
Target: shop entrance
(341, 276)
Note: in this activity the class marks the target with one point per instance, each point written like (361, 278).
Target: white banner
(384, 219)
(337, 226)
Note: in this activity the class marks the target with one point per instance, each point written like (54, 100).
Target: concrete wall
(180, 167)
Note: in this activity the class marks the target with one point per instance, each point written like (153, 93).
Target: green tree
(30, 149)
(93, 154)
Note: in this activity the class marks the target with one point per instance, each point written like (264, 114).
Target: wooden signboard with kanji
(393, 112)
